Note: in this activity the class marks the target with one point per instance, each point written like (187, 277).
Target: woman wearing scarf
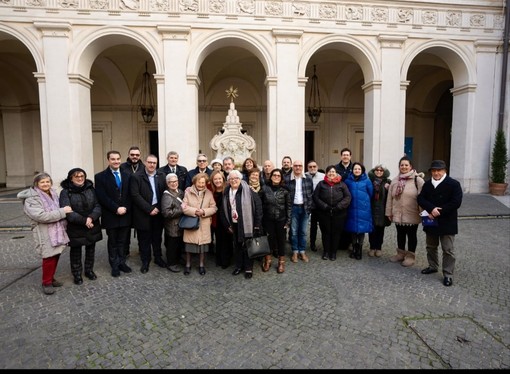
(402, 208)
(379, 176)
(276, 218)
(242, 216)
(83, 227)
(359, 214)
(331, 198)
(40, 204)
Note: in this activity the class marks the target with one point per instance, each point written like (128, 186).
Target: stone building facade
(416, 77)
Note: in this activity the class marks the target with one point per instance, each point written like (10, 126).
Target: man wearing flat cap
(441, 197)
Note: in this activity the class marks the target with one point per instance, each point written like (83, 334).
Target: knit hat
(74, 171)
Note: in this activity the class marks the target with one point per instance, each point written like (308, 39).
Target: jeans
(298, 226)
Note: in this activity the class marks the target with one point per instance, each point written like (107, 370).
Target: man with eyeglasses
(172, 167)
(133, 165)
(301, 191)
(314, 173)
(146, 191)
(201, 168)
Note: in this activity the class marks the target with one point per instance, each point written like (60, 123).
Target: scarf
(255, 186)
(436, 183)
(402, 179)
(335, 180)
(56, 230)
(377, 186)
(246, 208)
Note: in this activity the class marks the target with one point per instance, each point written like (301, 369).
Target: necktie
(117, 179)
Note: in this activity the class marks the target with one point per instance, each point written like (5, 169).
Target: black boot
(332, 255)
(357, 251)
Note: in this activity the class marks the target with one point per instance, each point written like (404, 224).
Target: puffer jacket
(40, 219)
(359, 214)
(171, 210)
(276, 203)
(83, 201)
(192, 201)
(333, 199)
(404, 210)
(379, 198)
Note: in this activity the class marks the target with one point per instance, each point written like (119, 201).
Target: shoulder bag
(190, 222)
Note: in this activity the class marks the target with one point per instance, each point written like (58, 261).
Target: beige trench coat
(191, 202)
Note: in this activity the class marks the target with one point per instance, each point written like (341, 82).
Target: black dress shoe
(125, 268)
(91, 275)
(159, 261)
(248, 275)
(429, 270)
(447, 281)
(144, 269)
(201, 270)
(236, 271)
(187, 269)
(313, 249)
(115, 273)
(78, 280)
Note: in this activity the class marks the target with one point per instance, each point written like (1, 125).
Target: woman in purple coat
(359, 214)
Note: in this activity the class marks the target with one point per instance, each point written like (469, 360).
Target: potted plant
(497, 183)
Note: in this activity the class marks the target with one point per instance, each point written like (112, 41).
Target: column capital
(391, 41)
(55, 29)
(174, 32)
(287, 36)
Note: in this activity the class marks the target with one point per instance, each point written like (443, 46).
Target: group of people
(344, 201)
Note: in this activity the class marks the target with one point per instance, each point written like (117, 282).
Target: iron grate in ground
(461, 343)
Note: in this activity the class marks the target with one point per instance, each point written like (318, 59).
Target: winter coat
(191, 202)
(257, 212)
(141, 198)
(83, 201)
(448, 196)
(171, 210)
(359, 213)
(111, 198)
(331, 200)
(404, 210)
(307, 188)
(276, 204)
(379, 199)
(39, 218)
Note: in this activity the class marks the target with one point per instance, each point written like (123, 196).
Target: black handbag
(190, 222)
(257, 247)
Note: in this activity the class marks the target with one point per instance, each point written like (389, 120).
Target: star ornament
(232, 93)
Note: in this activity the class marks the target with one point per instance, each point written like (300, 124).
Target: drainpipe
(504, 67)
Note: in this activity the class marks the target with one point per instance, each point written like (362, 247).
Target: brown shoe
(371, 253)
(378, 253)
(266, 263)
(281, 264)
(304, 257)
(294, 257)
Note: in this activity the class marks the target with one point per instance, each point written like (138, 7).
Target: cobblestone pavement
(346, 314)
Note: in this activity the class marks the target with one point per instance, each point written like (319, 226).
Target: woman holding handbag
(198, 202)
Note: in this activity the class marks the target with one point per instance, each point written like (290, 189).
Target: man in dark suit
(112, 190)
(172, 167)
(441, 197)
(146, 191)
(201, 168)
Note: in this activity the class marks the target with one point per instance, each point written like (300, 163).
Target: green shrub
(499, 158)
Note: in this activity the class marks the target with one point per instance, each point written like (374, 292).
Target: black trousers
(314, 223)
(117, 239)
(241, 258)
(151, 238)
(75, 257)
(276, 236)
(174, 248)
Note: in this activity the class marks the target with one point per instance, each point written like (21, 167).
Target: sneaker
(48, 290)
(371, 252)
(56, 283)
(174, 268)
(378, 253)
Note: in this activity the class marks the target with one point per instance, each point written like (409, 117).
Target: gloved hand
(256, 232)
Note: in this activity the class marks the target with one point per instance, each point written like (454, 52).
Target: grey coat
(171, 210)
(40, 219)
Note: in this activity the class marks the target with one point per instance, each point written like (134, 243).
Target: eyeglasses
(298, 166)
(173, 181)
(79, 176)
(234, 179)
(152, 162)
(202, 160)
(379, 170)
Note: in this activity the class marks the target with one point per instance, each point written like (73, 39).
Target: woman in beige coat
(402, 208)
(198, 201)
(41, 205)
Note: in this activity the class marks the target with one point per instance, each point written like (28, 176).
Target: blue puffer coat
(359, 213)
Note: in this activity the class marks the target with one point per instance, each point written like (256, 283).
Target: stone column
(177, 99)
(290, 97)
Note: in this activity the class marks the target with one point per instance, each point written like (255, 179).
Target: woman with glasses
(277, 206)
(331, 199)
(379, 176)
(83, 226)
(242, 216)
